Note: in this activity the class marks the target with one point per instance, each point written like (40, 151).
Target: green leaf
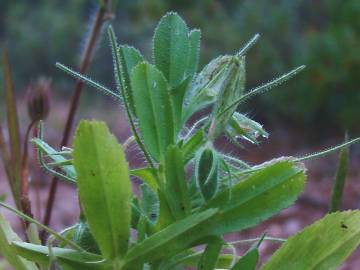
(69, 259)
(323, 245)
(340, 178)
(177, 192)
(54, 156)
(190, 147)
(171, 48)
(129, 58)
(272, 187)
(147, 175)
(104, 186)
(207, 172)
(250, 258)
(248, 261)
(211, 254)
(190, 258)
(83, 237)
(153, 108)
(194, 52)
(177, 96)
(174, 238)
(7, 236)
(149, 204)
(165, 215)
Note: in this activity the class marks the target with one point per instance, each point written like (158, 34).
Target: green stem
(121, 86)
(252, 240)
(329, 150)
(42, 226)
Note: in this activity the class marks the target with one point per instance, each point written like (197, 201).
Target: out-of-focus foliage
(323, 35)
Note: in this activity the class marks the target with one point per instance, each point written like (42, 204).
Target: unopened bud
(231, 88)
(207, 172)
(38, 99)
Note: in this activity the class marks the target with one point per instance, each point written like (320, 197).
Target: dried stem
(24, 182)
(101, 16)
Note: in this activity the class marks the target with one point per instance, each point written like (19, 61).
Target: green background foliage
(322, 35)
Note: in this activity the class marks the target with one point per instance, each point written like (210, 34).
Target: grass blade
(340, 178)
(13, 127)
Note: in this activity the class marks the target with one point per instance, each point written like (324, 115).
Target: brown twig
(101, 16)
(24, 183)
(37, 181)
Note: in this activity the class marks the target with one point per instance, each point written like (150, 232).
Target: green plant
(160, 228)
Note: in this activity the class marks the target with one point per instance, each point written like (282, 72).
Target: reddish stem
(24, 183)
(100, 18)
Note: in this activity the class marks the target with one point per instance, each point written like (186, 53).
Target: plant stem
(246, 241)
(101, 16)
(24, 182)
(52, 232)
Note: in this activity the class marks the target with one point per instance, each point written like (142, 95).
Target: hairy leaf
(323, 245)
(273, 186)
(193, 144)
(153, 108)
(194, 52)
(149, 204)
(147, 175)
(7, 236)
(129, 57)
(174, 238)
(176, 185)
(104, 186)
(171, 48)
(69, 259)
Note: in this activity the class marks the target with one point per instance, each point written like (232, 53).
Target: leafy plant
(192, 193)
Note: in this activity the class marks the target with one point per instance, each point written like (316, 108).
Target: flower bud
(207, 172)
(231, 88)
(38, 99)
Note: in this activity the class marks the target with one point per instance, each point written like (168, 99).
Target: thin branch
(329, 150)
(101, 16)
(252, 240)
(89, 81)
(24, 182)
(42, 226)
(121, 86)
(263, 88)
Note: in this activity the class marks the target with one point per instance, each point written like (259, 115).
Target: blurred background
(304, 115)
